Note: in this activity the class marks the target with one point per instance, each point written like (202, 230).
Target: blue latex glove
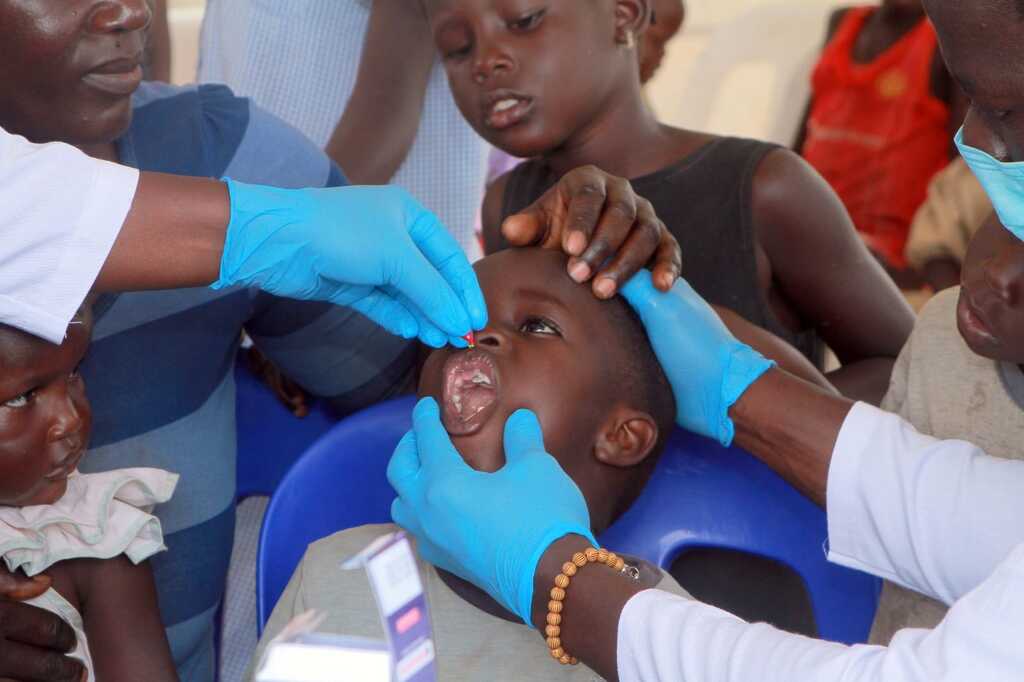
(374, 249)
(489, 528)
(709, 369)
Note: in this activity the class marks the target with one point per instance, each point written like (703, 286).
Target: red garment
(876, 132)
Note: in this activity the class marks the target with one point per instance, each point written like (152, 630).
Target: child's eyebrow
(541, 296)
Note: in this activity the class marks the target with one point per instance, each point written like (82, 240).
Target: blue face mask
(1003, 182)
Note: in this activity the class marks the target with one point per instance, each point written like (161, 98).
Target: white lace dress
(101, 516)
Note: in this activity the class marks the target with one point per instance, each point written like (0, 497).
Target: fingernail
(604, 287)
(577, 242)
(580, 271)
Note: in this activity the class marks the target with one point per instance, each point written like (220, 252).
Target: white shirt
(60, 212)
(939, 517)
(298, 59)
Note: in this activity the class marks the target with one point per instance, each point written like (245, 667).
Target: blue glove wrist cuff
(524, 605)
(745, 366)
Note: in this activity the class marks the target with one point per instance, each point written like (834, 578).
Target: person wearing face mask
(941, 518)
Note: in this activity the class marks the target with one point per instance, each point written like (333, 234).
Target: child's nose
(1004, 272)
(110, 16)
(491, 60)
(68, 418)
(490, 339)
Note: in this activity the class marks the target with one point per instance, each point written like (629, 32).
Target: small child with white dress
(84, 538)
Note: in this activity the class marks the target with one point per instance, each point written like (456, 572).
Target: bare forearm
(865, 380)
(388, 97)
(173, 236)
(593, 603)
(791, 426)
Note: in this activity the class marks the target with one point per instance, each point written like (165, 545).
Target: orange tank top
(876, 132)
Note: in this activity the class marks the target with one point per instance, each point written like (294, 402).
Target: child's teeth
(504, 105)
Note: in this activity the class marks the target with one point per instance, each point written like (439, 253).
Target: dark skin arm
(388, 97)
(33, 641)
(819, 266)
(173, 235)
(787, 423)
(122, 619)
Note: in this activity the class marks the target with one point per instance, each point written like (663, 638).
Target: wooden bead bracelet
(556, 605)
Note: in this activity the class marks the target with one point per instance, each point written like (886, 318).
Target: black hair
(638, 374)
(639, 378)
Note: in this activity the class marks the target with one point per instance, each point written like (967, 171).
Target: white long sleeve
(60, 212)
(934, 516)
(942, 521)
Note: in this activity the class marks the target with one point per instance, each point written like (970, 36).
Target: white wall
(739, 111)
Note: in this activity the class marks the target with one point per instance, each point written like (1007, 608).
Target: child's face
(528, 75)
(45, 419)
(981, 45)
(547, 347)
(668, 19)
(990, 313)
(68, 67)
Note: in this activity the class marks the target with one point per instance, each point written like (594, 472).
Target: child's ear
(630, 20)
(627, 438)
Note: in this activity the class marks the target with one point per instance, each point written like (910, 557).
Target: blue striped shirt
(159, 371)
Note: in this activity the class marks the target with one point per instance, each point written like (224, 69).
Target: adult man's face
(983, 44)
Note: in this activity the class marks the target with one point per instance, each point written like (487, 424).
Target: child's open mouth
(470, 392)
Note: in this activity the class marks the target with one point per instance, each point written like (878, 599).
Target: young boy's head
(533, 77)
(990, 313)
(45, 418)
(981, 44)
(666, 18)
(69, 67)
(584, 366)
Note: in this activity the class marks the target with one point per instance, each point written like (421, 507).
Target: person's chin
(525, 141)
(49, 494)
(99, 127)
(975, 330)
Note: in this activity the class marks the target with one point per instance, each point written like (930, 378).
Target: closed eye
(527, 21)
(539, 325)
(457, 53)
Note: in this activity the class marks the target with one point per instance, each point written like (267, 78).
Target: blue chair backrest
(340, 482)
(700, 495)
(270, 438)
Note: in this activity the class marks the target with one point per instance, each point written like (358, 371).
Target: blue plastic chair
(700, 495)
(340, 482)
(270, 438)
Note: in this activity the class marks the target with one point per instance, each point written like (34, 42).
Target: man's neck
(105, 151)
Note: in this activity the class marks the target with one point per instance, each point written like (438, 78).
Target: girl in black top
(761, 232)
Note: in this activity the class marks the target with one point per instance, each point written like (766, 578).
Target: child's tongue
(470, 392)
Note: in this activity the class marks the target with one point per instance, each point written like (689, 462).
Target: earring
(630, 40)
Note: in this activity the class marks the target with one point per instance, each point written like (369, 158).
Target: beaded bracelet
(553, 630)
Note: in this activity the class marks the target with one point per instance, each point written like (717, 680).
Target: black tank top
(705, 201)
